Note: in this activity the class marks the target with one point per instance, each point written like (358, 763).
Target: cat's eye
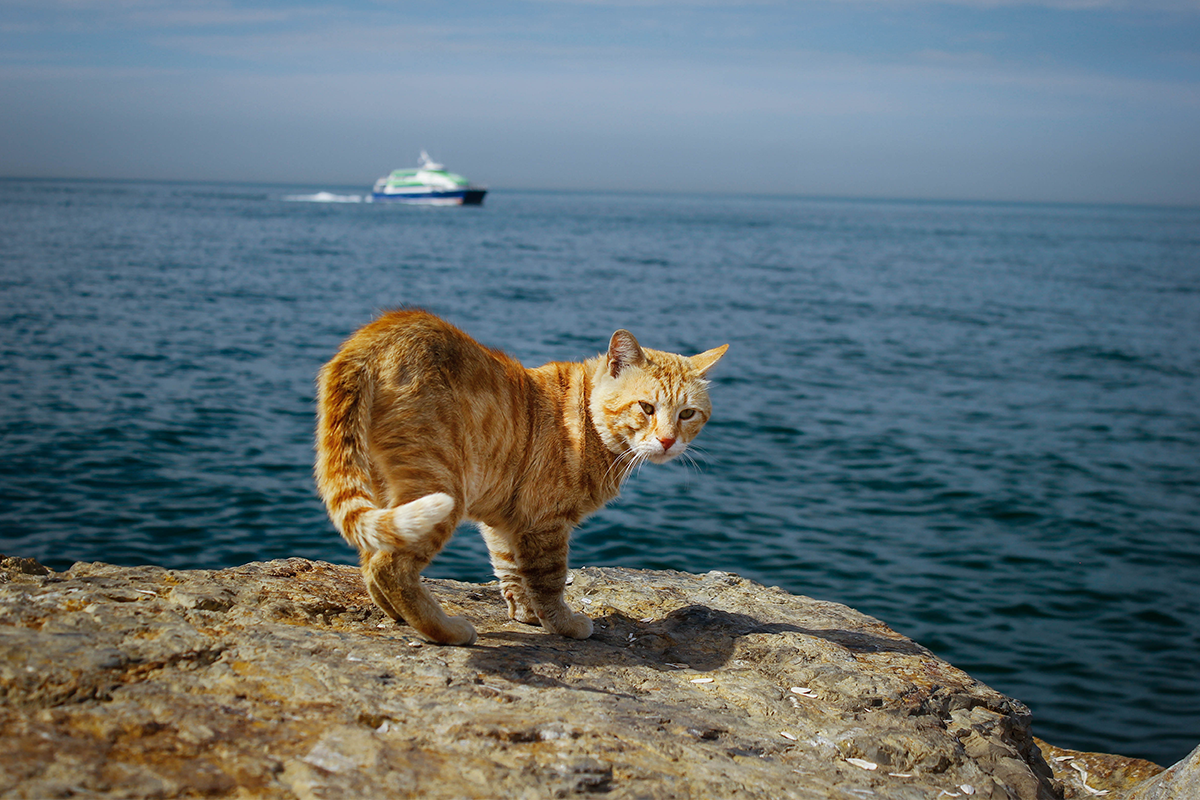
(648, 409)
(687, 413)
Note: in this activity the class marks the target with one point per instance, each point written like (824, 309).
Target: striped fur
(419, 427)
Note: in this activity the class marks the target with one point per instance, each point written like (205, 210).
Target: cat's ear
(703, 362)
(623, 351)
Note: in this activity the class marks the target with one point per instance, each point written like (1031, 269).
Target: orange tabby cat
(419, 426)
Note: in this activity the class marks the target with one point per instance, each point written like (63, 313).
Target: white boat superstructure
(428, 184)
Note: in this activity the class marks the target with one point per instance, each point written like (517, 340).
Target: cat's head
(650, 404)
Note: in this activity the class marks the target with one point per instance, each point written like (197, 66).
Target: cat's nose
(666, 442)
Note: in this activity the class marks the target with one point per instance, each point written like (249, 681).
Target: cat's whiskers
(635, 463)
(690, 460)
(624, 464)
(699, 453)
(704, 457)
(617, 466)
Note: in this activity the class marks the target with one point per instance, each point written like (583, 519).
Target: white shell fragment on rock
(1083, 777)
(803, 691)
(862, 763)
(702, 680)
(328, 759)
(787, 735)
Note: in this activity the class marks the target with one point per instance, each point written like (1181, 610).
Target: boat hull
(457, 197)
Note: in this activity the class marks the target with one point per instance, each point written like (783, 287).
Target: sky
(1006, 100)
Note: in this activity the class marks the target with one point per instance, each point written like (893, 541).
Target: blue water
(980, 423)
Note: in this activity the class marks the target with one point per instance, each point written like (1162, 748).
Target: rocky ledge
(281, 679)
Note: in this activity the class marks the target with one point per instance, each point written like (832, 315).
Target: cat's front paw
(577, 626)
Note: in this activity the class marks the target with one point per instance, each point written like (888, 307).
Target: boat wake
(324, 197)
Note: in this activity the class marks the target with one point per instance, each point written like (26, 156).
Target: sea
(978, 422)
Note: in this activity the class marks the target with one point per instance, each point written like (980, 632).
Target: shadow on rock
(695, 637)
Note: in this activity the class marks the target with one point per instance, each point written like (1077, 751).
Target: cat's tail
(345, 394)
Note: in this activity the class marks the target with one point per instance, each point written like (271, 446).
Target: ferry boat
(429, 184)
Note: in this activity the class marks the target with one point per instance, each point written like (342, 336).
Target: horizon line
(364, 188)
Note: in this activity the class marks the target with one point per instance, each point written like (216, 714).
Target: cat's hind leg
(541, 557)
(512, 587)
(395, 586)
(393, 576)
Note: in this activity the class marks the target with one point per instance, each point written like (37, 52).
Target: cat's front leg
(541, 557)
(504, 564)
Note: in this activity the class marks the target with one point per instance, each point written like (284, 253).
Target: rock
(1180, 782)
(1094, 775)
(281, 679)
(20, 566)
